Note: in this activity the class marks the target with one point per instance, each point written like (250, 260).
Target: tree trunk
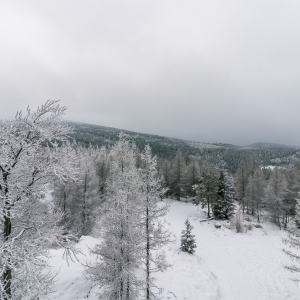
(147, 256)
(7, 275)
(84, 229)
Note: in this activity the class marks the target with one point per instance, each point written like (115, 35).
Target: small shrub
(237, 221)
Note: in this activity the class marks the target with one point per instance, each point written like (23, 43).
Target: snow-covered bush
(237, 221)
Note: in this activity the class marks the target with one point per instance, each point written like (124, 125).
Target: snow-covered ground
(226, 265)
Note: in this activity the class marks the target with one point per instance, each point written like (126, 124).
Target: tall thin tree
(153, 210)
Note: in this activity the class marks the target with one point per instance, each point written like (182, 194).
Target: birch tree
(34, 149)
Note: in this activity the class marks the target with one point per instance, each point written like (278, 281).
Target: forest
(115, 183)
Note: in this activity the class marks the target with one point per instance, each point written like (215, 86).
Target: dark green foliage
(167, 148)
(223, 207)
(188, 243)
(207, 187)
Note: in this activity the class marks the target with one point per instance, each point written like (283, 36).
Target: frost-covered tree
(178, 176)
(34, 149)
(155, 235)
(206, 189)
(275, 194)
(102, 171)
(237, 220)
(80, 199)
(120, 253)
(188, 242)
(167, 176)
(192, 176)
(87, 191)
(255, 193)
(293, 242)
(241, 181)
(223, 207)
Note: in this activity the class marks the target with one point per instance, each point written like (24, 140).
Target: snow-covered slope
(226, 265)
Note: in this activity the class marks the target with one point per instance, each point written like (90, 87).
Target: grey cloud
(212, 71)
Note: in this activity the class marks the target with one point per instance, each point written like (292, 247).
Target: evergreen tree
(207, 187)
(188, 243)
(223, 207)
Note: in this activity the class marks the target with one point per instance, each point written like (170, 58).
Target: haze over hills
(261, 145)
(227, 155)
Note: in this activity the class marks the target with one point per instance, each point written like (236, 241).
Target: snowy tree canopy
(34, 149)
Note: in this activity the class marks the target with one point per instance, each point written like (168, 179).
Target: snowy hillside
(226, 265)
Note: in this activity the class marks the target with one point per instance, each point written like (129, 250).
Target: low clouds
(211, 71)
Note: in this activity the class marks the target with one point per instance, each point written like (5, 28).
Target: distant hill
(262, 145)
(226, 155)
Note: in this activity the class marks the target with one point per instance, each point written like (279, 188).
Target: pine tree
(207, 187)
(188, 243)
(223, 207)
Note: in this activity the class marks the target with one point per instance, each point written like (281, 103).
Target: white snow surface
(225, 266)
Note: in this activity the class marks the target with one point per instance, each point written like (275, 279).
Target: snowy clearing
(226, 265)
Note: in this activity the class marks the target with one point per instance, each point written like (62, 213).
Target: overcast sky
(212, 71)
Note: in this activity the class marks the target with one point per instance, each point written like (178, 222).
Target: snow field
(226, 265)
(247, 266)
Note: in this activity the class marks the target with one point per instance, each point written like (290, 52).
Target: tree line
(268, 193)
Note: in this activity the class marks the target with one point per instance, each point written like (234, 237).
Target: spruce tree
(223, 207)
(188, 243)
(207, 186)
